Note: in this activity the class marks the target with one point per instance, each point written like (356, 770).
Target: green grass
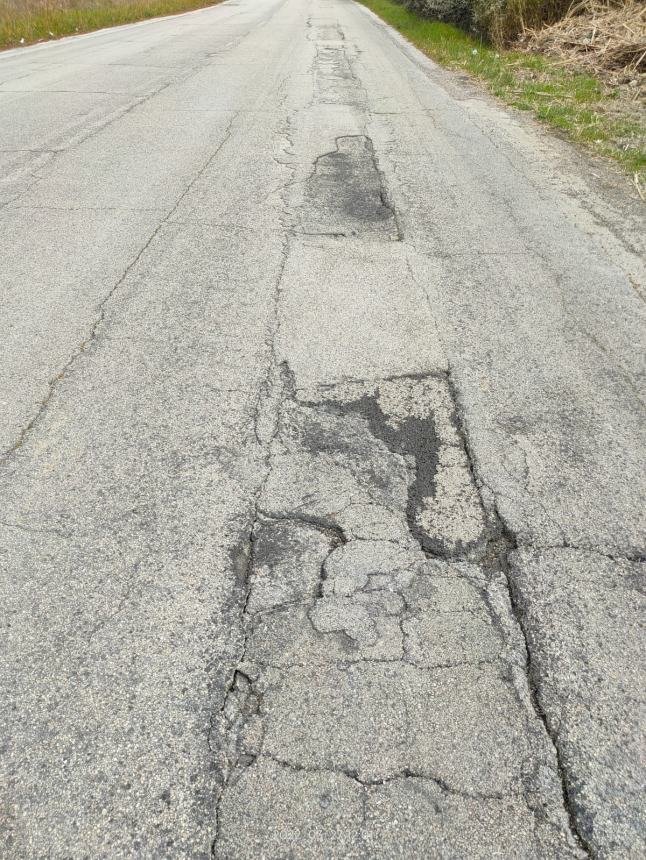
(28, 22)
(576, 104)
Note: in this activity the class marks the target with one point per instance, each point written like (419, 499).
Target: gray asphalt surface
(322, 485)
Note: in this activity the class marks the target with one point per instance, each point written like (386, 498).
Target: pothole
(345, 196)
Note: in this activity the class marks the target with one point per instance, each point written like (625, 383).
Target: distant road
(322, 478)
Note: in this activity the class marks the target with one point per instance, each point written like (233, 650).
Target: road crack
(502, 544)
(92, 335)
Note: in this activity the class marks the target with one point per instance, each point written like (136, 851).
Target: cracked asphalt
(322, 477)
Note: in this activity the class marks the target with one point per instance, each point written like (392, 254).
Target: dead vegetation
(23, 22)
(604, 37)
(607, 39)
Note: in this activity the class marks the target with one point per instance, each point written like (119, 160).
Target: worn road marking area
(321, 456)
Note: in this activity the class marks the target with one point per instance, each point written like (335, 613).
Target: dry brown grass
(23, 22)
(607, 36)
(19, 8)
(502, 21)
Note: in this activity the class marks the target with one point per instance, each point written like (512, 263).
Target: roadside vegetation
(23, 22)
(503, 20)
(532, 69)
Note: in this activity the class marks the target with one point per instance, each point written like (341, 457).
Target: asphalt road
(322, 485)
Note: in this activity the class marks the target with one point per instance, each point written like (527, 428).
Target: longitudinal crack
(505, 542)
(102, 308)
(276, 384)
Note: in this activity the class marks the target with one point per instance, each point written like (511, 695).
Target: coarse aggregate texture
(322, 471)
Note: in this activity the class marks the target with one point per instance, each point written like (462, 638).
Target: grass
(577, 104)
(505, 21)
(23, 22)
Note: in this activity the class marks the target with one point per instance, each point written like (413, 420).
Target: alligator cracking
(414, 438)
(334, 574)
(370, 512)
